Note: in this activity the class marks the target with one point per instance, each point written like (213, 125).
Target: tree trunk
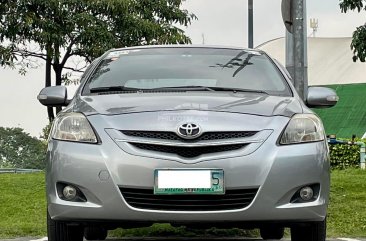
(58, 70)
(51, 115)
(58, 76)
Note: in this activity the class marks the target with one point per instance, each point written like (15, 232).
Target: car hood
(246, 103)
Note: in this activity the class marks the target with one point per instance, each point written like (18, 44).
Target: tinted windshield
(181, 67)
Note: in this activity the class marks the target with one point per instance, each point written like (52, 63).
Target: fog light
(306, 193)
(69, 192)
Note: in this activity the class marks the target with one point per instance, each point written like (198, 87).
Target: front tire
(274, 233)
(95, 233)
(61, 231)
(309, 232)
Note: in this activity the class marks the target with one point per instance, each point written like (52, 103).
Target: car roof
(187, 46)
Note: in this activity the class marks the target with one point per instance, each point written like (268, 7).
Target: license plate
(183, 181)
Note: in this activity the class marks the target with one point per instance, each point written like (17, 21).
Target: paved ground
(178, 239)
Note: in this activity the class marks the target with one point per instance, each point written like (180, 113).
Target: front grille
(208, 136)
(161, 135)
(188, 152)
(231, 200)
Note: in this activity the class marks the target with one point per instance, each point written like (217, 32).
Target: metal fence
(18, 170)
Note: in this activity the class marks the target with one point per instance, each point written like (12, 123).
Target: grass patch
(347, 210)
(23, 209)
(22, 205)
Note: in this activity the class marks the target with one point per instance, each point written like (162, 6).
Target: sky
(221, 22)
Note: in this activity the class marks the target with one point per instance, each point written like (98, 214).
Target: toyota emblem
(189, 131)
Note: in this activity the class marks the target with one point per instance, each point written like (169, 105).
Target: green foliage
(358, 44)
(87, 28)
(352, 5)
(19, 150)
(6, 56)
(56, 30)
(46, 132)
(344, 156)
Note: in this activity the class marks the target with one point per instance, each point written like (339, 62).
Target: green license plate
(188, 181)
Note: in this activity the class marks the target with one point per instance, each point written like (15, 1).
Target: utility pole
(250, 24)
(290, 59)
(294, 14)
(300, 48)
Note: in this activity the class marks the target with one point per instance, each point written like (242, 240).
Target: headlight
(303, 128)
(73, 127)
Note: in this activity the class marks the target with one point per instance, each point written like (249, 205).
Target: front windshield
(181, 67)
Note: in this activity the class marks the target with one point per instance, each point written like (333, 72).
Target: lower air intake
(231, 200)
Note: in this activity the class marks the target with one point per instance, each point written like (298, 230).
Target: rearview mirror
(321, 97)
(53, 96)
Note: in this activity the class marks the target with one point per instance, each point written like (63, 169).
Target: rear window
(174, 67)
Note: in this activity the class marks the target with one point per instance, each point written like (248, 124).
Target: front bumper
(99, 171)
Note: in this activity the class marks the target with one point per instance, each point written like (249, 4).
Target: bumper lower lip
(113, 224)
(293, 214)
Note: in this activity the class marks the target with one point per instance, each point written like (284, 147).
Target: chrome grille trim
(199, 144)
(126, 144)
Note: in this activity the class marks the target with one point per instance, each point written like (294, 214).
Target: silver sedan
(189, 135)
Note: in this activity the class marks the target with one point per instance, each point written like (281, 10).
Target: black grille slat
(230, 197)
(192, 200)
(189, 205)
(187, 197)
(193, 208)
(153, 135)
(231, 200)
(208, 136)
(189, 152)
(226, 135)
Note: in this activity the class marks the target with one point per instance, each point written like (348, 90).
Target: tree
(6, 56)
(19, 150)
(358, 44)
(57, 30)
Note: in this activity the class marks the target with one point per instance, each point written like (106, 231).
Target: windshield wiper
(175, 88)
(209, 88)
(183, 88)
(238, 90)
(123, 88)
(112, 88)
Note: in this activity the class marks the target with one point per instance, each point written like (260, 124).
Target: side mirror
(321, 97)
(53, 96)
